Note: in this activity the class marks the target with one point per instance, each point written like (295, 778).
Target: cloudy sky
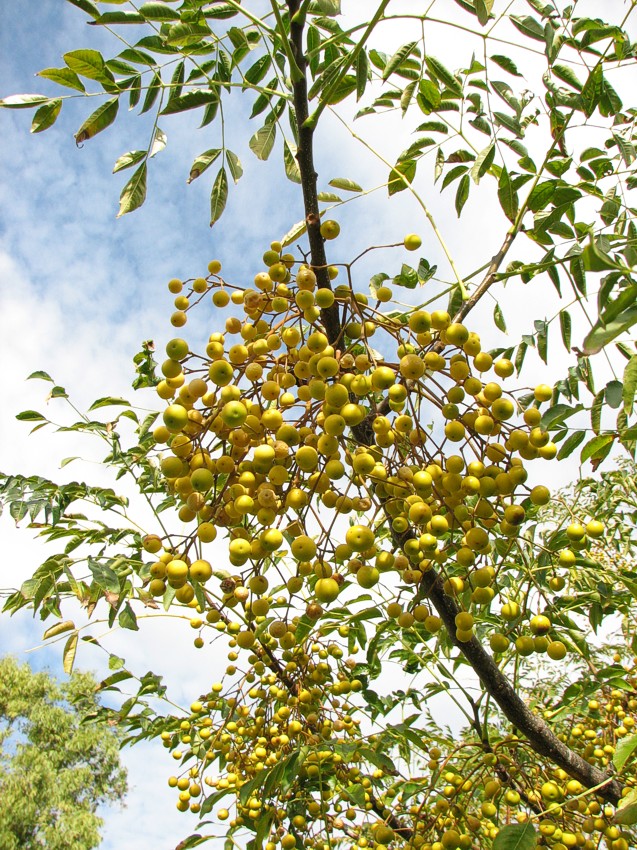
(80, 289)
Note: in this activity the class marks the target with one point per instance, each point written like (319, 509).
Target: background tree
(343, 400)
(55, 769)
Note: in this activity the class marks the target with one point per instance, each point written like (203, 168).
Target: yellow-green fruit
(303, 548)
(175, 418)
(499, 642)
(594, 528)
(152, 543)
(326, 589)
(359, 537)
(177, 572)
(177, 349)
(233, 414)
(540, 495)
(200, 570)
(307, 458)
(367, 576)
(202, 480)
(540, 624)
(556, 650)
(330, 229)
(412, 242)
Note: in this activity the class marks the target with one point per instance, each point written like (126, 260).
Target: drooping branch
(533, 727)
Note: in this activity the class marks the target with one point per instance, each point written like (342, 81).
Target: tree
(55, 769)
(320, 402)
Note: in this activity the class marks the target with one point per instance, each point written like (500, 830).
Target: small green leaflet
(516, 836)
(46, 116)
(99, 120)
(570, 444)
(598, 447)
(408, 277)
(58, 629)
(68, 656)
(107, 401)
(134, 192)
(23, 101)
(346, 184)
(30, 416)
(331, 8)
(234, 164)
(398, 58)
(127, 160)
(86, 63)
(202, 162)
(294, 233)
(498, 318)
(63, 77)
(218, 196)
(262, 142)
(483, 163)
(565, 327)
(40, 376)
(127, 618)
(401, 176)
(158, 12)
(104, 576)
(483, 10)
(292, 170)
(623, 750)
(507, 195)
(627, 810)
(630, 384)
(462, 193)
(506, 64)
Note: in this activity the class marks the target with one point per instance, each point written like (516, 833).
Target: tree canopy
(55, 769)
(347, 473)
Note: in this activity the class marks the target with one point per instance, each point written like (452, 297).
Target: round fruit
(412, 242)
(233, 414)
(330, 229)
(175, 418)
(200, 570)
(326, 589)
(359, 537)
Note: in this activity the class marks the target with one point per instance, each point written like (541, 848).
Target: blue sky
(80, 289)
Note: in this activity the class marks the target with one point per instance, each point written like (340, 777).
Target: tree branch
(537, 732)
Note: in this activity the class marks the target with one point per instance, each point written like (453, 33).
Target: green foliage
(56, 766)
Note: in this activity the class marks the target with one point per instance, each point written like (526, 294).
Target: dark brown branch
(305, 159)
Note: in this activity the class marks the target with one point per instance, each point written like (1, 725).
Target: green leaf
(107, 401)
(498, 318)
(516, 836)
(483, 10)
(601, 334)
(127, 160)
(127, 618)
(234, 164)
(528, 26)
(99, 120)
(398, 58)
(294, 233)
(624, 748)
(462, 193)
(483, 162)
(262, 142)
(190, 100)
(68, 656)
(257, 72)
(63, 77)
(329, 198)
(557, 413)
(331, 8)
(31, 416)
(627, 809)
(507, 195)
(362, 73)
(133, 194)
(86, 63)
(41, 376)
(58, 629)
(402, 175)
(292, 170)
(158, 12)
(439, 72)
(541, 194)
(570, 444)
(23, 101)
(506, 64)
(565, 327)
(596, 411)
(597, 447)
(630, 384)
(218, 196)
(346, 184)
(203, 161)
(613, 393)
(408, 277)
(568, 75)
(429, 96)
(104, 576)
